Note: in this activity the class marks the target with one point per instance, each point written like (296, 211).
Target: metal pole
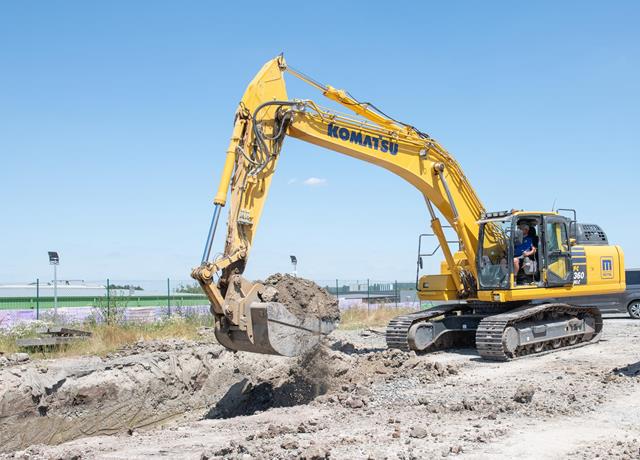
(38, 298)
(55, 291)
(108, 304)
(337, 289)
(168, 297)
(368, 297)
(212, 234)
(396, 289)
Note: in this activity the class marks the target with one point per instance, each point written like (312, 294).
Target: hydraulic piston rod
(212, 233)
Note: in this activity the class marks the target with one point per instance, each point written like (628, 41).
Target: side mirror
(420, 262)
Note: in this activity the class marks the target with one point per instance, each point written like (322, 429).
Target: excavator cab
(533, 247)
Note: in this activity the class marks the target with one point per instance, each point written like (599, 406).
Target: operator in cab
(524, 249)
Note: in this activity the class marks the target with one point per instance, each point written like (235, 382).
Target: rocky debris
(354, 402)
(627, 449)
(290, 444)
(300, 296)
(152, 346)
(418, 432)
(274, 431)
(269, 294)
(19, 357)
(524, 394)
(328, 376)
(40, 452)
(344, 347)
(315, 453)
(233, 450)
(13, 359)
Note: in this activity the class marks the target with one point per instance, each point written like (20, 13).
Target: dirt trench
(159, 383)
(146, 385)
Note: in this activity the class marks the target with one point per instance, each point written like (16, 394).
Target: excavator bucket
(286, 315)
(273, 329)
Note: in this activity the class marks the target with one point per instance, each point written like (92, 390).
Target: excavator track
(520, 331)
(496, 334)
(398, 328)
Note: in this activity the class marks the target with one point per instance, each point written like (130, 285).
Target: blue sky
(114, 118)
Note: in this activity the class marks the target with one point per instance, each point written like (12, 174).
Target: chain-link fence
(372, 293)
(100, 300)
(37, 295)
(149, 300)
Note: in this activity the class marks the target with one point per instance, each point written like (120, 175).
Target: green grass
(31, 303)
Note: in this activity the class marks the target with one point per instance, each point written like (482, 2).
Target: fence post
(37, 298)
(368, 297)
(108, 304)
(169, 297)
(397, 294)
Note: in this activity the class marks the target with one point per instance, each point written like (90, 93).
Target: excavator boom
(265, 116)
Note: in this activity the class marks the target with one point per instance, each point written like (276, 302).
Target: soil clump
(301, 296)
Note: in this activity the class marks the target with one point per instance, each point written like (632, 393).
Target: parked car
(623, 302)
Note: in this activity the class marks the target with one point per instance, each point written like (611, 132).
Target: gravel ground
(349, 399)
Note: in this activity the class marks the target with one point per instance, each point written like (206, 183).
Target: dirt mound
(301, 296)
(623, 449)
(327, 375)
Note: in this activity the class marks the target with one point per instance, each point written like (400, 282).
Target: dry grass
(361, 318)
(7, 344)
(108, 338)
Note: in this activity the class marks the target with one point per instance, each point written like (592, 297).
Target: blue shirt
(526, 245)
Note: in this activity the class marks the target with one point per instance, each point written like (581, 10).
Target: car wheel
(634, 309)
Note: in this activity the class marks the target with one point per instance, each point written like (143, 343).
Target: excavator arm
(265, 117)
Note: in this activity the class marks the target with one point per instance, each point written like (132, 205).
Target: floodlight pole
(55, 290)
(54, 259)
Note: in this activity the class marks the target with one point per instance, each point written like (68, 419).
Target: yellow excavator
(501, 283)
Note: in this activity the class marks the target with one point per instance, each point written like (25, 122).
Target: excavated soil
(301, 296)
(349, 398)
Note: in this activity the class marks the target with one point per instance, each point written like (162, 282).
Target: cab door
(557, 252)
